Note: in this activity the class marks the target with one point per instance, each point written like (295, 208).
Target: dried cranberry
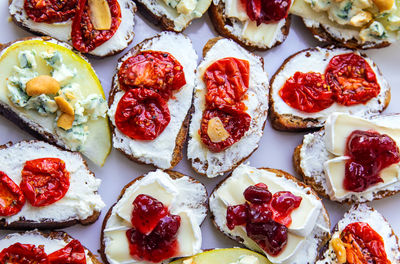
(257, 195)
(236, 215)
(271, 235)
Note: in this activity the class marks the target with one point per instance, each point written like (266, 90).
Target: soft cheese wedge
(50, 241)
(81, 203)
(362, 213)
(310, 223)
(183, 196)
(26, 61)
(225, 256)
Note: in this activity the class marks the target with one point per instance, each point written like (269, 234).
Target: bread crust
(47, 223)
(219, 20)
(292, 123)
(173, 175)
(279, 173)
(60, 235)
(182, 134)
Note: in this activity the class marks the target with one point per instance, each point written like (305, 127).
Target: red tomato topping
(363, 244)
(160, 240)
(155, 70)
(73, 253)
(307, 92)
(265, 216)
(44, 181)
(84, 36)
(23, 254)
(266, 11)
(142, 114)
(227, 81)
(236, 123)
(369, 152)
(11, 197)
(352, 79)
(50, 11)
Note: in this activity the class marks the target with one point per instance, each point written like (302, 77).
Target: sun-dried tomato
(266, 11)
(351, 79)
(50, 11)
(72, 253)
(23, 254)
(142, 114)
(85, 37)
(307, 92)
(11, 197)
(155, 70)
(44, 181)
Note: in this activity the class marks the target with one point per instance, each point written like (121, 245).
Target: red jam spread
(154, 234)
(11, 197)
(50, 11)
(24, 253)
(266, 216)
(227, 81)
(348, 80)
(44, 181)
(85, 37)
(363, 244)
(370, 152)
(266, 11)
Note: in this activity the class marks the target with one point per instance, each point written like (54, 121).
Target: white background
(275, 150)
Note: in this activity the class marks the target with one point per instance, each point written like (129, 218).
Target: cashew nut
(64, 106)
(65, 121)
(42, 84)
(384, 5)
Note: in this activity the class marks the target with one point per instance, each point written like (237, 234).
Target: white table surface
(275, 148)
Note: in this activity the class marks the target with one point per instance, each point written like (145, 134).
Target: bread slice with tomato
(226, 127)
(254, 29)
(271, 212)
(157, 76)
(157, 217)
(100, 28)
(44, 247)
(45, 187)
(313, 83)
(353, 236)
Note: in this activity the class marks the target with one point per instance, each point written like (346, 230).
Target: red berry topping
(259, 213)
(283, 204)
(257, 195)
(271, 236)
(236, 215)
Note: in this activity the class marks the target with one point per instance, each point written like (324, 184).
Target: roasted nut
(65, 121)
(384, 5)
(42, 84)
(100, 14)
(361, 19)
(216, 130)
(340, 250)
(64, 106)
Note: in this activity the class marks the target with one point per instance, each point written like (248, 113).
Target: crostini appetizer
(352, 159)
(224, 256)
(254, 24)
(54, 94)
(271, 212)
(173, 15)
(97, 27)
(315, 82)
(44, 248)
(150, 99)
(362, 236)
(157, 217)
(42, 186)
(360, 24)
(230, 108)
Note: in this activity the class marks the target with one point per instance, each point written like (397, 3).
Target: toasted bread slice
(285, 118)
(173, 15)
(327, 30)
(51, 241)
(203, 160)
(190, 199)
(313, 237)
(310, 156)
(243, 30)
(80, 205)
(62, 30)
(165, 151)
(88, 134)
(366, 214)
